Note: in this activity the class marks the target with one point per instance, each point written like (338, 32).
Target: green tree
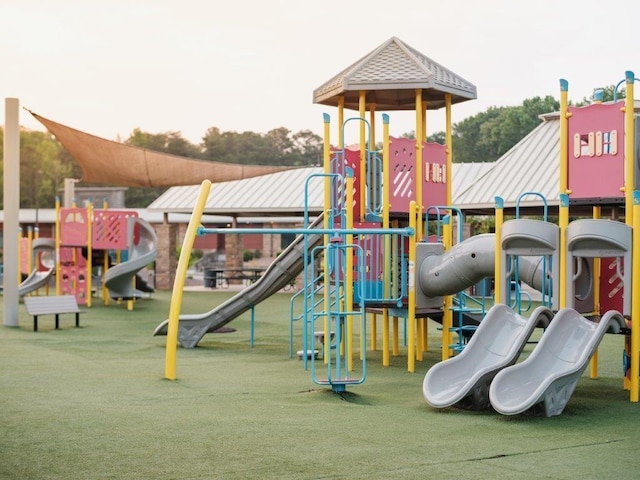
(167, 142)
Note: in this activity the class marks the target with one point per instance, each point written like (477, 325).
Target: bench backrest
(42, 305)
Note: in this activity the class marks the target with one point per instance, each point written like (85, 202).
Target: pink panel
(611, 286)
(403, 169)
(596, 153)
(350, 159)
(73, 227)
(434, 189)
(110, 229)
(402, 173)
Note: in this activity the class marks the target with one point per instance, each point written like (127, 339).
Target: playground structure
(380, 253)
(84, 237)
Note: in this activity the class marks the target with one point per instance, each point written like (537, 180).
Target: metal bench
(52, 305)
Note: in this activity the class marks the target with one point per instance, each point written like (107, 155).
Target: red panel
(596, 153)
(611, 286)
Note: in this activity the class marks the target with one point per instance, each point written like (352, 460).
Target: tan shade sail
(113, 163)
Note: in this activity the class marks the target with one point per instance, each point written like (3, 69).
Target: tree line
(483, 137)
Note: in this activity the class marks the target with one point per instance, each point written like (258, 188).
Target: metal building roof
(390, 74)
(281, 193)
(532, 165)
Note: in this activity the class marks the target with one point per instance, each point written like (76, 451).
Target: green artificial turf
(92, 403)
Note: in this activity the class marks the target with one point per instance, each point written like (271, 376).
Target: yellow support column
(447, 316)
(497, 274)
(563, 223)
(593, 367)
(629, 184)
(89, 278)
(348, 293)
(181, 276)
(325, 220)
(634, 388)
(411, 307)
(388, 261)
(362, 181)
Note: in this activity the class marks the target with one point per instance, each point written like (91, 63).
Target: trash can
(210, 278)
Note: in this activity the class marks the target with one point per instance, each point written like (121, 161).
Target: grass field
(92, 403)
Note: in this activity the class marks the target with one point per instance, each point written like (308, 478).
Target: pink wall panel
(596, 153)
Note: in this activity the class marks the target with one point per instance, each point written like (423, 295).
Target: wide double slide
(464, 380)
(39, 278)
(282, 271)
(142, 249)
(548, 377)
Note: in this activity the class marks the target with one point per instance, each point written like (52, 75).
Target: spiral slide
(39, 277)
(119, 279)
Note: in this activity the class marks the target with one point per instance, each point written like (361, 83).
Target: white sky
(109, 66)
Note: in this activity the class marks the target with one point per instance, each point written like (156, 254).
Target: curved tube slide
(467, 263)
(39, 278)
(500, 338)
(119, 278)
(550, 374)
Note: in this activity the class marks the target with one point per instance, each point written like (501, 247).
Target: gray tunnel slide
(284, 269)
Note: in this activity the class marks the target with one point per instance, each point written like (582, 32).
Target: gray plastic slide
(550, 374)
(498, 341)
(284, 269)
(39, 278)
(119, 278)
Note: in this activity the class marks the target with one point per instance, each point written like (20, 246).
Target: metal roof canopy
(391, 74)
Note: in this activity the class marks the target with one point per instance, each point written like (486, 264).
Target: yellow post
(563, 223)
(105, 265)
(634, 390)
(362, 184)
(411, 310)
(178, 284)
(564, 137)
(629, 184)
(388, 261)
(29, 252)
(447, 316)
(629, 146)
(340, 122)
(325, 223)
(497, 274)
(57, 241)
(593, 367)
(419, 169)
(348, 281)
(89, 278)
(448, 140)
(372, 126)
